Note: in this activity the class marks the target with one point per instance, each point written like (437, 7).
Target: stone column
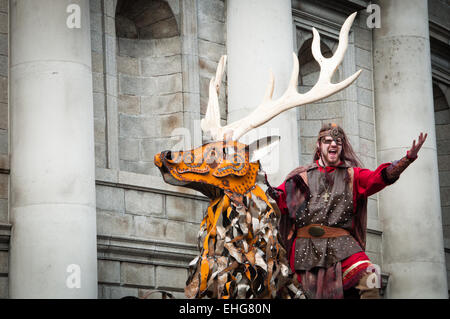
(260, 39)
(53, 241)
(410, 212)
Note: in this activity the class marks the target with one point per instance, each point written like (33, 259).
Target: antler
(269, 108)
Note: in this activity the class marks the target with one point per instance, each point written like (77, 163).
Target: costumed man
(324, 215)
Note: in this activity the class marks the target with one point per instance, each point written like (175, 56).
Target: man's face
(330, 150)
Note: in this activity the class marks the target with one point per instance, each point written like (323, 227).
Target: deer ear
(262, 147)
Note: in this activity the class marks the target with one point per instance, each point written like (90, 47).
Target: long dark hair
(348, 155)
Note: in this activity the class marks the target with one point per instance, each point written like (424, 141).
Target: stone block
(147, 227)
(111, 56)
(4, 22)
(373, 243)
(190, 233)
(323, 111)
(95, 6)
(129, 104)
(3, 141)
(127, 65)
(129, 149)
(3, 89)
(97, 62)
(309, 127)
(4, 213)
(3, 44)
(364, 97)
(4, 116)
(96, 42)
(132, 85)
(4, 292)
(99, 131)
(99, 106)
(443, 132)
(164, 104)
(160, 30)
(185, 209)
(446, 218)
(113, 223)
(4, 261)
(168, 123)
(211, 30)
(167, 84)
(308, 144)
(363, 38)
(363, 58)
(366, 114)
(442, 117)
(367, 130)
(176, 231)
(367, 147)
(110, 26)
(98, 82)
(110, 7)
(152, 146)
(164, 47)
(444, 162)
(210, 50)
(139, 167)
(96, 22)
(444, 178)
(443, 147)
(100, 155)
(365, 80)
(110, 198)
(445, 196)
(4, 184)
(155, 66)
(127, 47)
(144, 203)
(170, 277)
(4, 6)
(108, 271)
(367, 161)
(119, 292)
(213, 9)
(4, 68)
(138, 127)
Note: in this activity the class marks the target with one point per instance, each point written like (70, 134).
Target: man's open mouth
(332, 152)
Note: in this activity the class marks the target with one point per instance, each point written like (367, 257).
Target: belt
(321, 231)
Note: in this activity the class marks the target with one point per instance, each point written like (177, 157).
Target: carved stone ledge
(153, 252)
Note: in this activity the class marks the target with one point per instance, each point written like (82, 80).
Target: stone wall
(4, 151)
(147, 229)
(146, 235)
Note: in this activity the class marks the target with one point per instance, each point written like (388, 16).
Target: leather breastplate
(330, 204)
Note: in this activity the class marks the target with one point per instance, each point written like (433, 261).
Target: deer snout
(157, 160)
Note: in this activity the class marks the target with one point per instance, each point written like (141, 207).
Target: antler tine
(211, 122)
(329, 65)
(269, 108)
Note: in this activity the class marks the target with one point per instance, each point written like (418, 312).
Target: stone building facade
(84, 110)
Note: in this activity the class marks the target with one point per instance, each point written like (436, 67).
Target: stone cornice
(145, 251)
(149, 183)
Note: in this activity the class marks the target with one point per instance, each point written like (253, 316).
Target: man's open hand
(412, 153)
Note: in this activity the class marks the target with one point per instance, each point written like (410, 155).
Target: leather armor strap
(321, 231)
(394, 170)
